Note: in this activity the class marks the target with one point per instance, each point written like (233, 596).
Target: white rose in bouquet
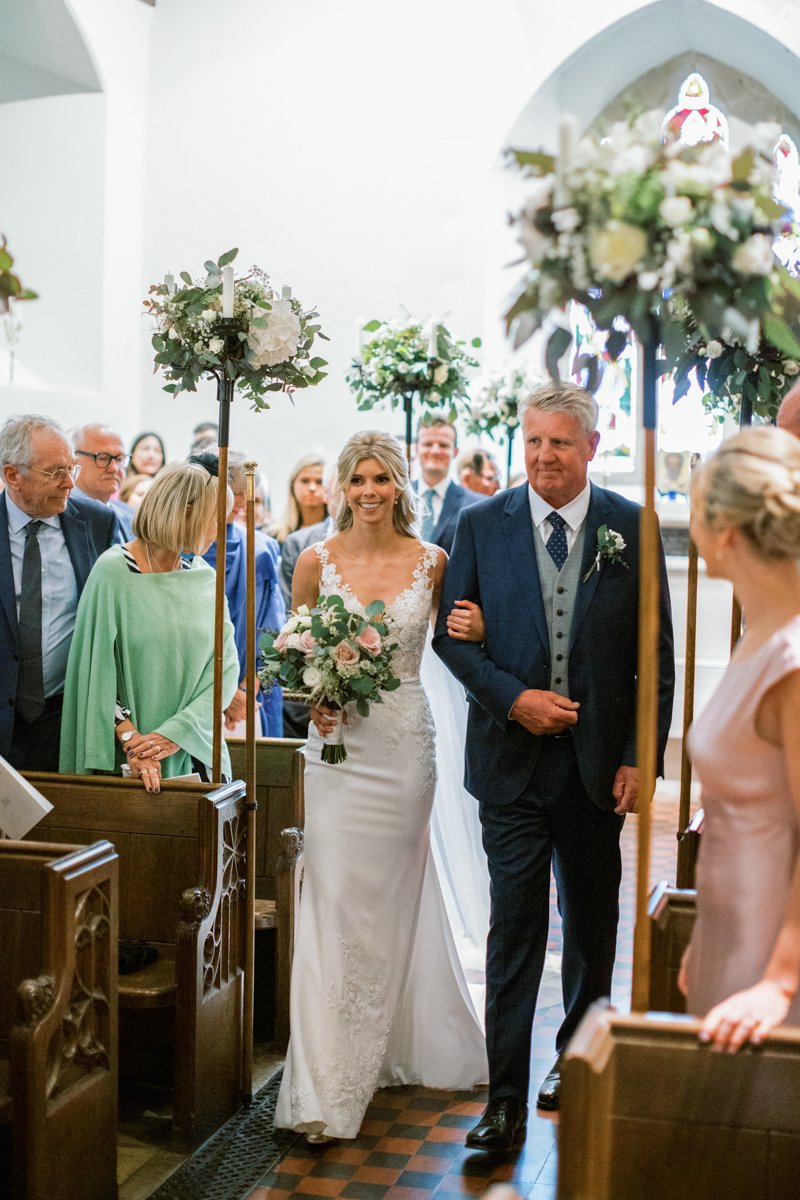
(440, 374)
(617, 250)
(312, 677)
(676, 210)
(790, 367)
(755, 256)
(216, 345)
(279, 340)
(714, 349)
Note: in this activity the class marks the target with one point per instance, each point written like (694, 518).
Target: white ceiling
(42, 52)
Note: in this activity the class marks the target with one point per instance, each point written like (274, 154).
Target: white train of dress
(378, 994)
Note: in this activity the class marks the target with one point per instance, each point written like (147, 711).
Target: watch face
(126, 737)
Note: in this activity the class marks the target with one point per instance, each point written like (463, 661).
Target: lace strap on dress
(427, 562)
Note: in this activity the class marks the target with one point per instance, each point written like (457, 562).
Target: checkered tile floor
(411, 1145)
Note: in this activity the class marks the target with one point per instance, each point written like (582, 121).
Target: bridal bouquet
(398, 359)
(266, 346)
(329, 655)
(627, 226)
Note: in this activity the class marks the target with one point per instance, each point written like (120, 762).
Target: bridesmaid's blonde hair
(372, 443)
(752, 483)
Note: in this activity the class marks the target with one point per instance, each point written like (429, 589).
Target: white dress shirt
(573, 513)
(59, 590)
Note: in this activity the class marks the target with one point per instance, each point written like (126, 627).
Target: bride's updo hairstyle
(372, 443)
(752, 483)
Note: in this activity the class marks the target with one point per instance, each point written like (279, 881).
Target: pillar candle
(433, 340)
(169, 282)
(286, 292)
(227, 291)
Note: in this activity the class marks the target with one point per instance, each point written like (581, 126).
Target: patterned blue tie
(428, 523)
(557, 542)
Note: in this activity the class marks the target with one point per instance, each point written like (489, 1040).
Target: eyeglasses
(103, 460)
(60, 474)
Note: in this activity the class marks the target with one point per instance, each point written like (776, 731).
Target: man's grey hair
(566, 398)
(16, 438)
(79, 433)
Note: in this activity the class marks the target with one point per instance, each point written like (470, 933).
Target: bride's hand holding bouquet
(328, 657)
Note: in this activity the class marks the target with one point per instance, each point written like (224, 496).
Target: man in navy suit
(550, 748)
(48, 545)
(436, 449)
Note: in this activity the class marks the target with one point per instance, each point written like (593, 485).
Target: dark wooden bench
(58, 1021)
(649, 1113)
(689, 849)
(672, 914)
(279, 849)
(182, 889)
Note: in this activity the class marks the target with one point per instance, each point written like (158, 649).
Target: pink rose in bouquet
(307, 642)
(370, 640)
(346, 654)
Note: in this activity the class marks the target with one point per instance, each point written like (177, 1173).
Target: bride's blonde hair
(752, 483)
(372, 443)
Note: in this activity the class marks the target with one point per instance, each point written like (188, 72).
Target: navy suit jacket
(89, 529)
(494, 564)
(455, 498)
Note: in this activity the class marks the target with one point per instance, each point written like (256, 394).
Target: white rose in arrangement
(216, 345)
(790, 367)
(209, 314)
(173, 334)
(303, 611)
(755, 256)
(676, 210)
(279, 340)
(714, 349)
(701, 237)
(440, 374)
(293, 641)
(312, 677)
(199, 347)
(648, 280)
(290, 625)
(566, 220)
(617, 250)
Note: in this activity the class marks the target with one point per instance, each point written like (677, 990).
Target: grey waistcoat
(559, 589)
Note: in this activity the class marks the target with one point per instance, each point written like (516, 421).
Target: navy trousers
(553, 820)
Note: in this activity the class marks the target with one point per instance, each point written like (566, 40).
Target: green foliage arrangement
(11, 286)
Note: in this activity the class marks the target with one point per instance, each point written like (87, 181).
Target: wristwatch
(126, 736)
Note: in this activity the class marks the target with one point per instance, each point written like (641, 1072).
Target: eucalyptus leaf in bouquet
(729, 373)
(332, 656)
(267, 346)
(631, 228)
(394, 363)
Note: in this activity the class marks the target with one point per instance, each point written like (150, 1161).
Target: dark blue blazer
(89, 529)
(455, 498)
(494, 564)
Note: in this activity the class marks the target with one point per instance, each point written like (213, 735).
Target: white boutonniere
(610, 547)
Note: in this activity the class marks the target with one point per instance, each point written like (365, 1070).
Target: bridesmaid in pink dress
(742, 969)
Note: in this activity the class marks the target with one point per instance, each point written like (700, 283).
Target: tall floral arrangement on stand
(405, 357)
(641, 232)
(732, 376)
(265, 345)
(494, 403)
(11, 286)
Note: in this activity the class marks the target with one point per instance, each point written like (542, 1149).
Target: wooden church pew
(279, 850)
(58, 1021)
(648, 1113)
(182, 890)
(671, 912)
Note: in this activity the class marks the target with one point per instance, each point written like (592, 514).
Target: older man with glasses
(103, 459)
(49, 542)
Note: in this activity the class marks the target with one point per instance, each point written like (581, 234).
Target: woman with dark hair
(147, 454)
(378, 996)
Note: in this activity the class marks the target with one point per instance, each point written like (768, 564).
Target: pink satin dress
(751, 834)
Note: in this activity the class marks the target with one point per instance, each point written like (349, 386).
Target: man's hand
(237, 709)
(626, 790)
(544, 712)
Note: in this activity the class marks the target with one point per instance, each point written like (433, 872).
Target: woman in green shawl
(141, 668)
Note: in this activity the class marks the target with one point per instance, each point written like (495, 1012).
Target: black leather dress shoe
(501, 1126)
(549, 1091)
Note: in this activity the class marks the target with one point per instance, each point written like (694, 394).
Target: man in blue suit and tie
(444, 500)
(551, 735)
(48, 545)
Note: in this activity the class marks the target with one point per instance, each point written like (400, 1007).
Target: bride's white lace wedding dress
(378, 994)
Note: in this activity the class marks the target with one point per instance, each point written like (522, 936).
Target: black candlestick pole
(509, 453)
(408, 408)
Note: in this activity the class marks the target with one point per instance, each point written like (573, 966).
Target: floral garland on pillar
(11, 286)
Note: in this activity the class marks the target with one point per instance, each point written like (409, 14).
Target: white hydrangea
(755, 256)
(278, 342)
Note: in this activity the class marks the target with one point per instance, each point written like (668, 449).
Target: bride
(378, 997)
